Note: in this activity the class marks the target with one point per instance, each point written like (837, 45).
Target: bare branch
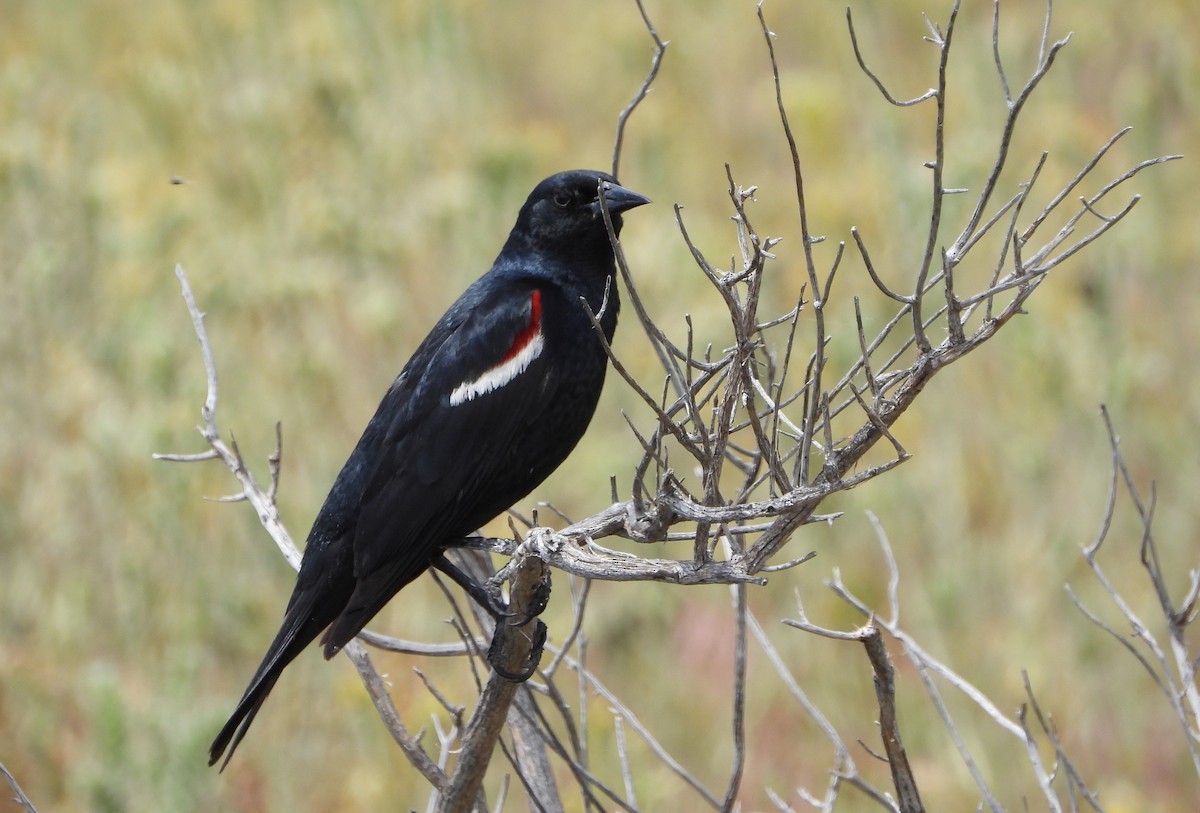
(491, 712)
(378, 691)
(738, 696)
(929, 94)
(818, 303)
(866, 257)
(939, 190)
(20, 798)
(633, 722)
(1077, 785)
(660, 49)
(955, 736)
(389, 644)
(623, 757)
(1171, 667)
(885, 692)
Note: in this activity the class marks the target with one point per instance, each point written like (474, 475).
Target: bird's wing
(447, 461)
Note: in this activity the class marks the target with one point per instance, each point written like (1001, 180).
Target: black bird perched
(492, 401)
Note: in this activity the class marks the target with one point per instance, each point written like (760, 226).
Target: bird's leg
(491, 603)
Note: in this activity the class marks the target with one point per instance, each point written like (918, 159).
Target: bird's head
(564, 211)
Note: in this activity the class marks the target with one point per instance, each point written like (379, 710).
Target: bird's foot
(537, 602)
(537, 644)
(510, 643)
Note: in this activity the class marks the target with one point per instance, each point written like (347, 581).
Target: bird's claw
(537, 603)
(531, 662)
(505, 614)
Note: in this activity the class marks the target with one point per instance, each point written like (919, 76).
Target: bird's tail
(298, 630)
(239, 723)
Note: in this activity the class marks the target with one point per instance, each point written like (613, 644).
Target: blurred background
(331, 175)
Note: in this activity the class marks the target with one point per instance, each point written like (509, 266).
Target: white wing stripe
(501, 374)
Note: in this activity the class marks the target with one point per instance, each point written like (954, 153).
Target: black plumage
(491, 402)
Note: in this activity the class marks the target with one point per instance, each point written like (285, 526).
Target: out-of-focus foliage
(347, 168)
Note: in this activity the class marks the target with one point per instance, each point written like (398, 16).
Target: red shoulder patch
(531, 330)
(527, 346)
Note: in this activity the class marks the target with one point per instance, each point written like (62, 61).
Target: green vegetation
(347, 168)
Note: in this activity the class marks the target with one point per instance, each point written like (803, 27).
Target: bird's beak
(619, 198)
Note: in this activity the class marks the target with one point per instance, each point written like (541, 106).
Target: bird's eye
(562, 200)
